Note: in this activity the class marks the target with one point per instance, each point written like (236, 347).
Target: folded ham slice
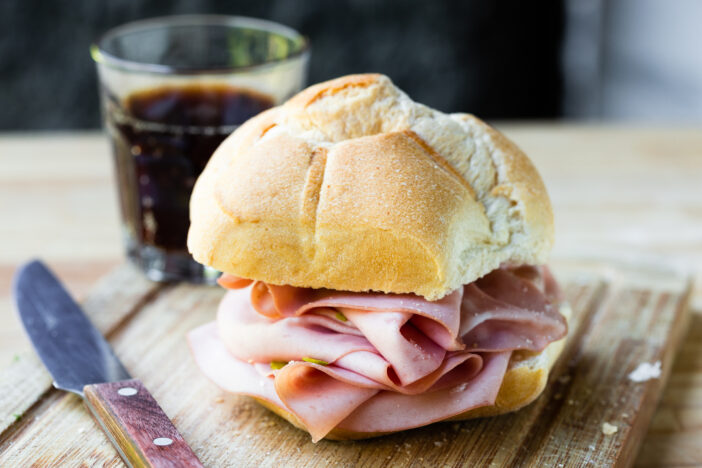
(374, 362)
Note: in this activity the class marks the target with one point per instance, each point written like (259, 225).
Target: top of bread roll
(351, 185)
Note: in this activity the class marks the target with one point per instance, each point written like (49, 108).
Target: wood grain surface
(629, 193)
(588, 387)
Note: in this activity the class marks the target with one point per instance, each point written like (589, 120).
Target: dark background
(497, 59)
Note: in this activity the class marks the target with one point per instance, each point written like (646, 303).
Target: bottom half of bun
(525, 379)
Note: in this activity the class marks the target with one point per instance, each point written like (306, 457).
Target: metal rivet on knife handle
(163, 441)
(127, 391)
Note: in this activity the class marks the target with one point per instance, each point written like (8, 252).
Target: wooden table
(627, 193)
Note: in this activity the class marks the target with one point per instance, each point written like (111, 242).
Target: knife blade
(81, 361)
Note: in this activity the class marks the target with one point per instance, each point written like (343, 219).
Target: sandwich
(384, 264)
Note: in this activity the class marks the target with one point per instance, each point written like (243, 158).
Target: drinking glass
(171, 90)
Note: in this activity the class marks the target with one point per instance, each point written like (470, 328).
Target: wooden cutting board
(624, 315)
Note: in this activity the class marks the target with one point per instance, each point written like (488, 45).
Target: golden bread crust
(352, 186)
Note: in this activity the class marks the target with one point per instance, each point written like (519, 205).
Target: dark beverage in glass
(162, 139)
(168, 103)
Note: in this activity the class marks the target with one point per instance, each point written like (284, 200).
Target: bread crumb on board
(646, 371)
(609, 429)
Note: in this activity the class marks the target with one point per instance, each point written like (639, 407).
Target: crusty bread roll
(523, 382)
(350, 185)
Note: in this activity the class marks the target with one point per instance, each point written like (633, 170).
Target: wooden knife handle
(137, 426)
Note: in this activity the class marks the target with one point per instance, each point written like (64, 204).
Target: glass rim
(102, 57)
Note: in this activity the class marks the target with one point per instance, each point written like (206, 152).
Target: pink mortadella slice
(233, 282)
(390, 411)
(379, 362)
(412, 354)
(442, 317)
(227, 372)
(253, 337)
(504, 312)
(324, 397)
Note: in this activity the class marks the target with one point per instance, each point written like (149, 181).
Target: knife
(82, 362)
